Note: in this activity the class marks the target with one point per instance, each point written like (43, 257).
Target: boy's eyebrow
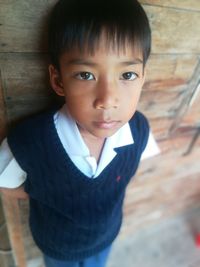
(81, 62)
(93, 64)
(132, 62)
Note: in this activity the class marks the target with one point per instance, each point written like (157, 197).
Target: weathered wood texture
(171, 30)
(12, 215)
(26, 86)
(164, 185)
(189, 5)
(192, 115)
(5, 247)
(2, 111)
(170, 71)
(23, 25)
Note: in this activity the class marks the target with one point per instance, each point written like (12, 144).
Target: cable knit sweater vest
(71, 216)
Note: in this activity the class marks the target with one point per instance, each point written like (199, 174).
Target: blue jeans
(98, 260)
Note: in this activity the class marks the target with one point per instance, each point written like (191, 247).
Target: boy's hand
(15, 192)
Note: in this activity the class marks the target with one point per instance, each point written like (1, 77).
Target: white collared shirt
(12, 176)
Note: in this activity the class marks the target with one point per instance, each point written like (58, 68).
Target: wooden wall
(165, 184)
(169, 183)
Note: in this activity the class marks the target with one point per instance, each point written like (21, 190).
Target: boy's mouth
(106, 124)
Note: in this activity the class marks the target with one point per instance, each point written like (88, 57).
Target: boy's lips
(106, 124)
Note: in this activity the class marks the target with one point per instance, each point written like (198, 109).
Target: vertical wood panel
(23, 25)
(12, 214)
(2, 111)
(190, 5)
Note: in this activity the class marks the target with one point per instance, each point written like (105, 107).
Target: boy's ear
(55, 80)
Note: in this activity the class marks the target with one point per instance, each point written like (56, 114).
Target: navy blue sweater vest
(71, 216)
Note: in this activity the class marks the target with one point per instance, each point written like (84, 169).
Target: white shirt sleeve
(11, 174)
(151, 149)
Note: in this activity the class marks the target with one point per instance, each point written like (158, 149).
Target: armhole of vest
(140, 124)
(146, 132)
(22, 135)
(16, 143)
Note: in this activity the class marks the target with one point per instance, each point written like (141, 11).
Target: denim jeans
(98, 260)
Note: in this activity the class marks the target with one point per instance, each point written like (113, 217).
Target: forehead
(104, 49)
(101, 58)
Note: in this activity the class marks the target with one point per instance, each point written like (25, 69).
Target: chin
(104, 135)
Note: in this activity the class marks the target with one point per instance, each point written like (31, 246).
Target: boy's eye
(85, 76)
(129, 76)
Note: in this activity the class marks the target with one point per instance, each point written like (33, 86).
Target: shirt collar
(73, 140)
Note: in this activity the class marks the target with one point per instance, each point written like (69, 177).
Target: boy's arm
(12, 177)
(14, 192)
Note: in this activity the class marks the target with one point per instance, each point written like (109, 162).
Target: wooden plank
(6, 258)
(171, 30)
(192, 116)
(23, 25)
(12, 213)
(26, 78)
(171, 72)
(163, 103)
(160, 126)
(185, 107)
(160, 204)
(26, 87)
(2, 111)
(11, 208)
(192, 5)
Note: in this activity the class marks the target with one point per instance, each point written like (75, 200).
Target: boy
(76, 162)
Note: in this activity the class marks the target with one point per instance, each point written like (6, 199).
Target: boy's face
(101, 90)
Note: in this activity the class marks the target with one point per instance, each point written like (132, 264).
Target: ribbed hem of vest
(75, 256)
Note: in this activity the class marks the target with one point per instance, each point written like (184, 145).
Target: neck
(94, 144)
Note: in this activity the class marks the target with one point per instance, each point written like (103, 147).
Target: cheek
(130, 102)
(78, 106)
(78, 91)
(80, 101)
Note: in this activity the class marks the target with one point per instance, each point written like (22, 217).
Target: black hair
(80, 23)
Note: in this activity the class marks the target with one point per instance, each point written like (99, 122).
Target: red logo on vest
(118, 178)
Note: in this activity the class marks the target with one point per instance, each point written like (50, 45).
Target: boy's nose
(107, 96)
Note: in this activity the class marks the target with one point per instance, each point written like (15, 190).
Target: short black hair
(80, 23)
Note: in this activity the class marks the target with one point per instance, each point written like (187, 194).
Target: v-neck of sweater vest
(66, 161)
